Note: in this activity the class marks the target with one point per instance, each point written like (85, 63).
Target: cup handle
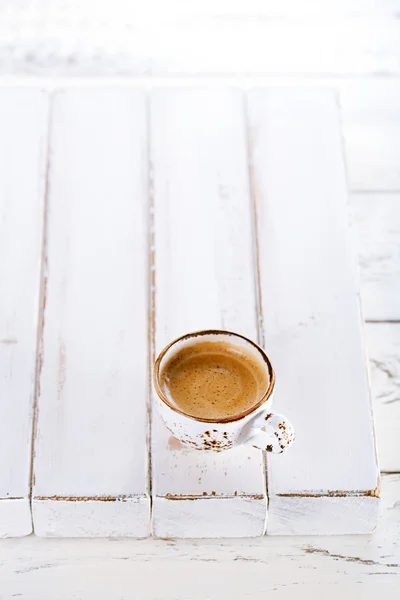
(276, 435)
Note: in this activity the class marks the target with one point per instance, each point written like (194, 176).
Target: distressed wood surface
(90, 468)
(371, 127)
(383, 341)
(311, 316)
(370, 124)
(204, 278)
(287, 567)
(23, 147)
(136, 41)
(369, 111)
(376, 227)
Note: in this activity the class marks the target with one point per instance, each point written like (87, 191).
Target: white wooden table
(69, 177)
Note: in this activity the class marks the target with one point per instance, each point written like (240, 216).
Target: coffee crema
(213, 380)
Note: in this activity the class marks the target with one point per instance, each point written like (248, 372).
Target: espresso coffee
(213, 380)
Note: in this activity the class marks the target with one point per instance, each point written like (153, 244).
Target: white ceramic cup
(257, 427)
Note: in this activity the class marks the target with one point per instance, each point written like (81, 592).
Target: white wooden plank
(81, 517)
(376, 227)
(204, 278)
(370, 113)
(91, 431)
(312, 320)
(371, 119)
(384, 351)
(23, 146)
(284, 567)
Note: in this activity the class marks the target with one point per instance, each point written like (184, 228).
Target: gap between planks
(13, 498)
(374, 192)
(123, 498)
(212, 496)
(151, 308)
(42, 302)
(256, 255)
(389, 321)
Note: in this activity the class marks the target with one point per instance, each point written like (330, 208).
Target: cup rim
(203, 332)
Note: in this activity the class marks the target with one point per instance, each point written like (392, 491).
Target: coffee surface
(213, 380)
